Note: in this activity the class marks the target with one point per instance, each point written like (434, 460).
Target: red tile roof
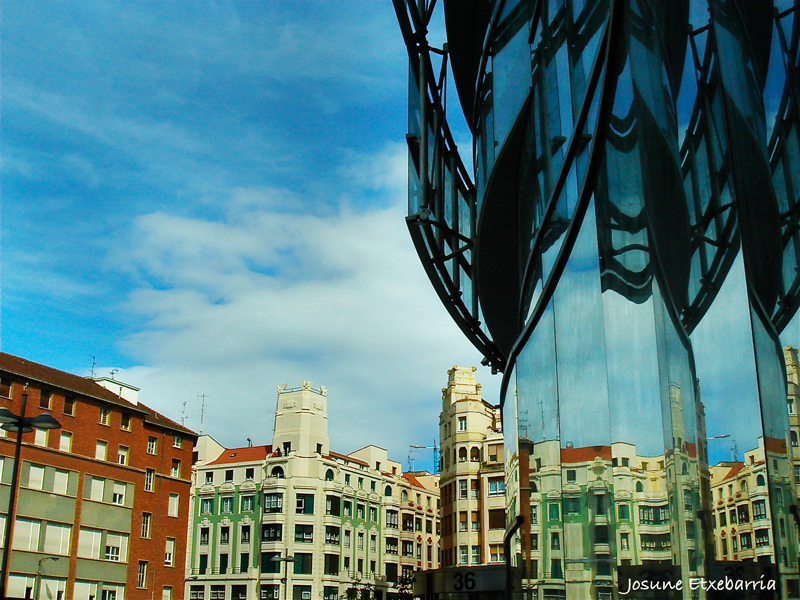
(734, 471)
(29, 370)
(585, 454)
(240, 455)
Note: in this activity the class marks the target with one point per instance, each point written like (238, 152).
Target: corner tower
(301, 420)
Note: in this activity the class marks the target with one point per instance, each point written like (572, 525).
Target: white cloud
(270, 295)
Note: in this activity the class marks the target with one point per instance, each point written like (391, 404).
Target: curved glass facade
(628, 256)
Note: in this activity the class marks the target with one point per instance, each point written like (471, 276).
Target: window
(759, 510)
(373, 543)
(224, 535)
(244, 538)
(69, 406)
(408, 548)
(149, 474)
(762, 537)
(347, 478)
(204, 533)
(302, 563)
(172, 508)
(361, 483)
(56, 539)
(96, 489)
(497, 518)
(125, 422)
(348, 508)
(100, 450)
(464, 555)
(26, 535)
(249, 473)
(346, 538)
(141, 574)
(331, 564)
(209, 477)
(534, 514)
(497, 487)
(206, 506)
(555, 541)
(496, 553)
(169, 551)
(175, 470)
(272, 532)
(273, 503)
(60, 482)
(36, 477)
(229, 476)
(476, 555)
(571, 475)
(331, 535)
(152, 445)
(303, 533)
(40, 437)
(122, 455)
(462, 423)
(115, 547)
(553, 511)
(391, 519)
(44, 399)
(226, 505)
(329, 475)
(5, 387)
(104, 416)
(624, 511)
(305, 504)
(248, 503)
(65, 443)
(177, 441)
(332, 506)
(462, 489)
(360, 511)
(146, 520)
(118, 495)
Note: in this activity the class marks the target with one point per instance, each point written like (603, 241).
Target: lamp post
(285, 559)
(39, 574)
(19, 424)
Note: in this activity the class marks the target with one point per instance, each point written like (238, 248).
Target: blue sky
(209, 196)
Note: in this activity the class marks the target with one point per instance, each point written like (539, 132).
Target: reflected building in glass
(625, 249)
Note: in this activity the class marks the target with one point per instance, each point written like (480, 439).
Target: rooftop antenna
(249, 443)
(410, 460)
(94, 362)
(183, 414)
(113, 371)
(202, 398)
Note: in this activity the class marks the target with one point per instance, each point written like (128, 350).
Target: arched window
(475, 454)
(744, 485)
(387, 491)
(639, 486)
(760, 480)
(685, 469)
(533, 487)
(329, 475)
(462, 454)
(404, 496)
(447, 460)
(277, 472)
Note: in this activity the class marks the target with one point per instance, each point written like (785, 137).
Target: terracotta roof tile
(26, 369)
(240, 455)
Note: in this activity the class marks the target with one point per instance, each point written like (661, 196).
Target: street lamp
(39, 574)
(19, 425)
(285, 559)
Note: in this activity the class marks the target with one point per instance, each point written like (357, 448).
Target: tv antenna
(202, 398)
(435, 449)
(94, 362)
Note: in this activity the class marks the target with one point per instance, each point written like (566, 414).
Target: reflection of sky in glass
(723, 350)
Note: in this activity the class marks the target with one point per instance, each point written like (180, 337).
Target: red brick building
(102, 502)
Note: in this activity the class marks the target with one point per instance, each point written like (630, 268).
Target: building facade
(472, 475)
(629, 210)
(349, 522)
(102, 501)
